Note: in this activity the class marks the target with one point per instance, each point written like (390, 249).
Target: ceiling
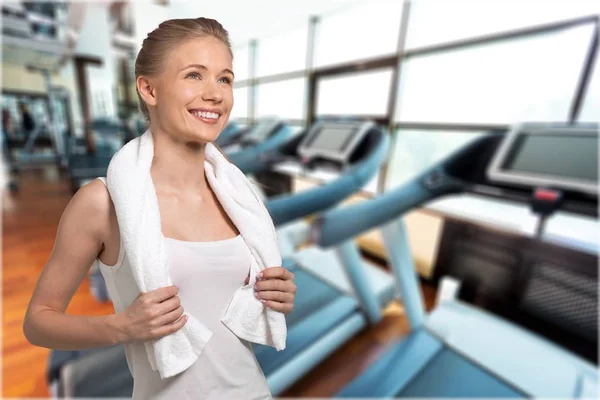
(257, 19)
(244, 20)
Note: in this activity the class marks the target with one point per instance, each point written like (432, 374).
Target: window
(368, 30)
(101, 96)
(241, 63)
(532, 78)
(285, 53)
(362, 93)
(284, 99)
(240, 103)
(296, 129)
(590, 106)
(430, 24)
(414, 151)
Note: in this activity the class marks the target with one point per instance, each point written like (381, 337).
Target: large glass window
(241, 62)
(101, 96)
(37, 106)
(414, 151)
(362, 93)
(590, 107)
(284, 99)
(240, 103)
(296, 129)
(531, 78)
(433, 22)
(282, 53)
(364, 31)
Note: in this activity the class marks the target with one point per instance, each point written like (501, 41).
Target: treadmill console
(261, 132)
(333, 141)
(557, 156)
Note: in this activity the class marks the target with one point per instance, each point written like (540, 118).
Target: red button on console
(546, 195)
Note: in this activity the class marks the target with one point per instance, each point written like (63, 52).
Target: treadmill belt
(450, 375)
(312, 295)
(420, 365)
(318, 308)
(84, 165)
(81, 376)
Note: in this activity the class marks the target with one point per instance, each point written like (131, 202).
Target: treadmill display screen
(260, 132)
(552, 155)
(332, 138)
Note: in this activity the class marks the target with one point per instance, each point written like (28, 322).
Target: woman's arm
(84, 225)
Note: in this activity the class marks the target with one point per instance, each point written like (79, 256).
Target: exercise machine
(45, 142)
(229, 134)
(109, 135)
(458, 350)
(339, 294)
(265, 136)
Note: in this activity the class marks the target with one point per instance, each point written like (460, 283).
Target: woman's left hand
(275, 287)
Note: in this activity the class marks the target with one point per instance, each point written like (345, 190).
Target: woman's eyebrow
(203, 67)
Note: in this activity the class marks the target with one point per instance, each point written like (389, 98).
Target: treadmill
(109, 136)
(245, 147)
(458, 350)
(229, 134)
(338, 293)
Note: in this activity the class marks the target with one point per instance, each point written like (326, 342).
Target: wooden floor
(30, 219)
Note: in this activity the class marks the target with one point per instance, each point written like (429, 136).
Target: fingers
(161, 294)
(276, 285)
(169, 317)
(276, 273)
(281, 297)
(276, 289)
(285, 308)
(169, 305)
(168, 329)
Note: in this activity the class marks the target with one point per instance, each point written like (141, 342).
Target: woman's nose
(212, 92)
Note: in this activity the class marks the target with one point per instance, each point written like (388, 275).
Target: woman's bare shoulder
(92, 204)
(93, 196)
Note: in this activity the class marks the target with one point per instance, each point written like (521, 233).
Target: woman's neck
(178, 164)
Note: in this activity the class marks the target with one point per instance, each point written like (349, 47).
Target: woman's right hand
(152, 315)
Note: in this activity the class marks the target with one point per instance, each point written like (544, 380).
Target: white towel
(132, 190)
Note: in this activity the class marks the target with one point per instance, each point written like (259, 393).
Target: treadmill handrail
(341, 224)
(230, 134)
(248, 160)
(336, 226)
(287, 208)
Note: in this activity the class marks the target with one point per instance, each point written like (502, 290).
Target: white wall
(147, 17)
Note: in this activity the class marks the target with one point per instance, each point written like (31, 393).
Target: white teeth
(205, 114)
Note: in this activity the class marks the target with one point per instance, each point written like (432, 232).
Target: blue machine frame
(456, 350)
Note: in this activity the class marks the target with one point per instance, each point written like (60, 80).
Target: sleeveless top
(207, 275)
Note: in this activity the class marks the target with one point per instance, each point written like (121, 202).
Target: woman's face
(194, 94)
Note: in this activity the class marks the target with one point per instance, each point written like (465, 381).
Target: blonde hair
(158, 44)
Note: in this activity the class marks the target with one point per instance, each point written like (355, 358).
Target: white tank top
(207, 275)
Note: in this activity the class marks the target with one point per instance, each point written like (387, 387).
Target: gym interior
(431, 168)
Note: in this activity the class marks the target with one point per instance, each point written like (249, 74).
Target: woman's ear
(146, 90)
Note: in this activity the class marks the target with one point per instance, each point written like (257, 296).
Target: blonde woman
(185, 85)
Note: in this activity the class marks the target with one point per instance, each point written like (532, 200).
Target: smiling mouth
(205, 116)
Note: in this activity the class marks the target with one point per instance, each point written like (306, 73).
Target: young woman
(185, 85)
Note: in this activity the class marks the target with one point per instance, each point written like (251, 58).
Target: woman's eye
(193, 75)
(226, 79)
